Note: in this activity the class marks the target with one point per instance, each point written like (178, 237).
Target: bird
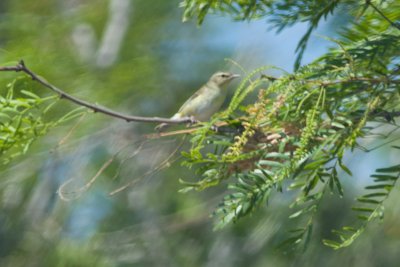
(205, 101)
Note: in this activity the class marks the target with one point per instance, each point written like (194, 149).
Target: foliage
(290, 143)
(23, 119)
(282, 14)
(294, 137)
(370, 206)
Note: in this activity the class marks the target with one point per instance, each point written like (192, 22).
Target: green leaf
(344, 168)
(296, 214)
(378, 194)
(363, 209)
(331, 243)
(381, 177)
(30, 94)
(338, 125)
(368, 200)
(271, 163)
(380, 186)
(395, 168)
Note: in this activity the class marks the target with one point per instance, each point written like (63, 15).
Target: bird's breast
(210, 104)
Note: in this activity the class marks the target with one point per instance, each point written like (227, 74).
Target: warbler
(206, 101)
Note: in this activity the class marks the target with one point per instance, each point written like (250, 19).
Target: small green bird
(206, 101)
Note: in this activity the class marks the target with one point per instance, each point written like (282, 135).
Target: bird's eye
(223, 75)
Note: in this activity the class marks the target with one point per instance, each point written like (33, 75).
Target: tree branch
(334, 82)
(22, 67)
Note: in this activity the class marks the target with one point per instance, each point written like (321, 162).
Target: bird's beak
(235, 76)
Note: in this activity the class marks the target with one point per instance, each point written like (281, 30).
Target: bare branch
(128, 118)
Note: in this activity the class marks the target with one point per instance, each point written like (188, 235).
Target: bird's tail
(161, 127)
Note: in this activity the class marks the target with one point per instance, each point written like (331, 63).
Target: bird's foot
(192, 121)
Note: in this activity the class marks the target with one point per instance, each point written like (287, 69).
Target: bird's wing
(190, 99)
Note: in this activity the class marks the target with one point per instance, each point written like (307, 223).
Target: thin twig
(383, 15)
(334, 82)
(128, 118)
(69, 133)
(78, 192)
(171, 133)
(164, 164)
(84, 188)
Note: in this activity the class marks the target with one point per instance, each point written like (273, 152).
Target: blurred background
(137, 57)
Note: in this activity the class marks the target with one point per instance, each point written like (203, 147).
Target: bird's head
(222, 78)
